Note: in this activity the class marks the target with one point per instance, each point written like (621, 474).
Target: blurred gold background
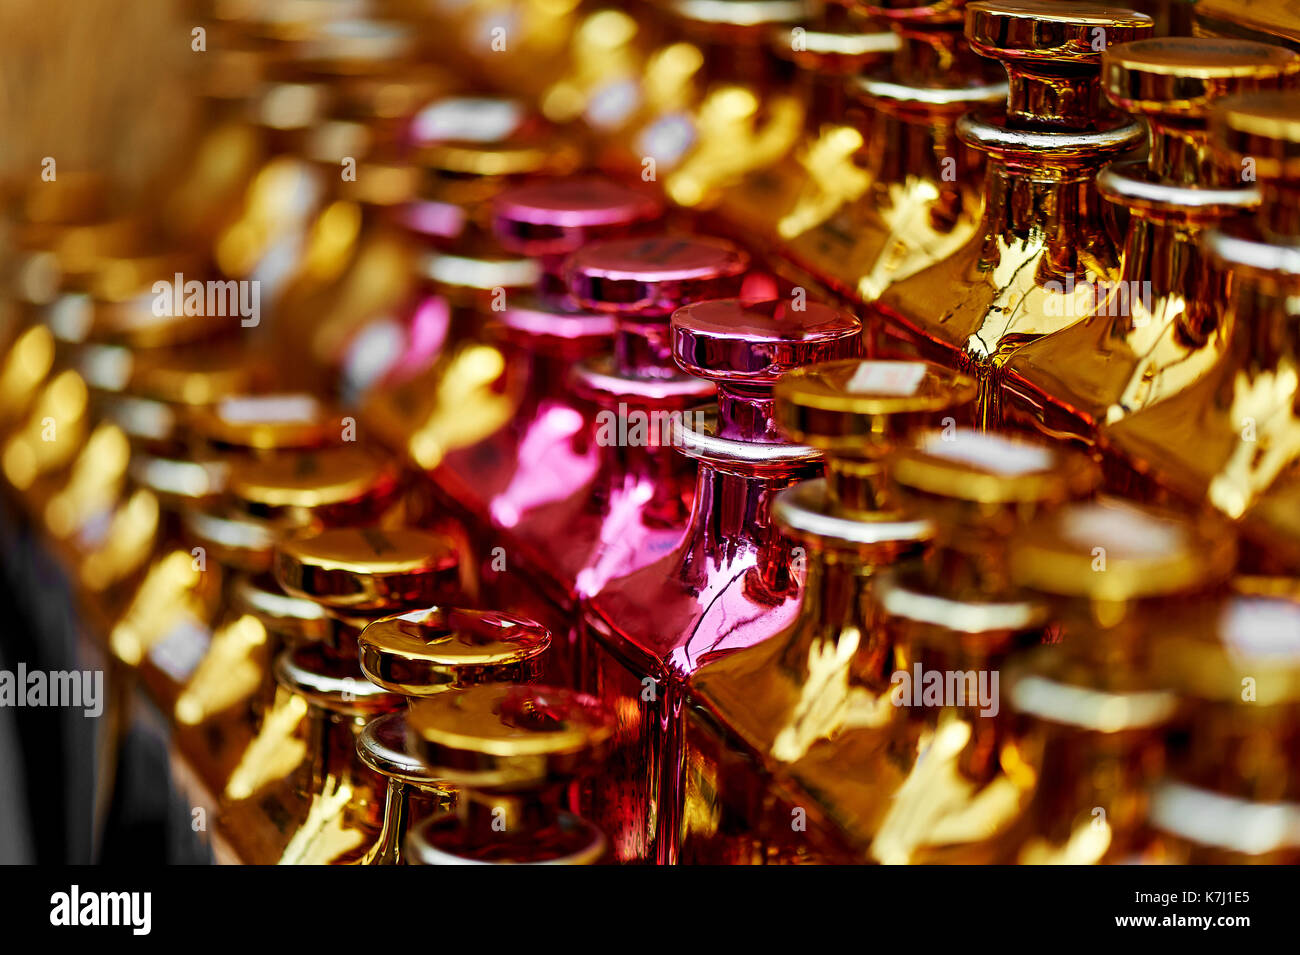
(99, 85)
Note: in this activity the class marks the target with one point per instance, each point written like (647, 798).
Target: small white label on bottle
(899, 378)
(270, 409)
(989, 452)
(1124, 531)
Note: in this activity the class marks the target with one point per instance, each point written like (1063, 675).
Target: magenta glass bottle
(633, 507)
(731, 581)
(545, 449)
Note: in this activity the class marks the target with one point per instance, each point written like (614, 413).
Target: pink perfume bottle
(545, 448)
(633, 507)
(730, 582)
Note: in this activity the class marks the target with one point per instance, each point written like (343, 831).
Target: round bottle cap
(984, 468)
(559, 216)
(807, 512)
(740, 14)
(1225, 822)
(476, 267)
(266, 422)
(334, 484)
(369, 568)
(1052, 33)
(293, 618)
(488, 136)
(551, 324)
(382, 746)
(947, 620)
(424, 652)
(731, 340)
(1114, 550)
(845, 406)
(1264, 127)
(567, 840)
(233, 539)
(330, 681)
(196, 376)
(361, 45)
(652, 277)
(506, 737)
(913, 12)
(179, 482)
(845, 52)
(1257, 639)
(1183, 75)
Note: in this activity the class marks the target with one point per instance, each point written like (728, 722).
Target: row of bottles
(441, 559)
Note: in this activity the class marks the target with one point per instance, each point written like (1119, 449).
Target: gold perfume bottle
(955, 620)
(418, 655)
(236, 473)
(1232, 793)
(737, 118)
(760, 709)
(1231, 436)
(326, 806)
(1159, 329)
(890, 190)
(1042, 239)
(1094, 712)
(285, 495)
(358, 267)
(207, 658)
(513, 752)
(808, 184)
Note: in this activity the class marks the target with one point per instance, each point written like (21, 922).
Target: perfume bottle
(1159, 329)
(544, 447)
(891, 190)
(807, 185)
(1042, 239)
(418, 655)
(756, 711)
(953, 621)
(129, 514)
(730, 582)
(634, 506)
(357, 270)
(184, 455)
(1231, 438)
(213, 674)
(471, 148)
(251, 469)
(326, 806)
(737, 116)
(513, 752)
(533, 458)
(1095, 712)
(1231, 793)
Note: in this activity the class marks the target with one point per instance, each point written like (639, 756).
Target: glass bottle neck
(837, 611)
(1061, 210)
(731, 522)
(1162, 260)
(1180, 153)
